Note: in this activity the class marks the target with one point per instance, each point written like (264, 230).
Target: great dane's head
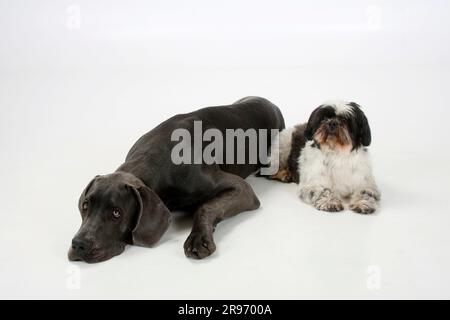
(116, 210)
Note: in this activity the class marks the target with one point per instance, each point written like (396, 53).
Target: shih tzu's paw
(327, 201)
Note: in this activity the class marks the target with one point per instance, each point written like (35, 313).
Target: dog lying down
(131, 205)
(328, 158)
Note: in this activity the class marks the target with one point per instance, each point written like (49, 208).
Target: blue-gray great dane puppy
(131, 205)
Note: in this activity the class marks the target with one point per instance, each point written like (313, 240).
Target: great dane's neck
(141, 170)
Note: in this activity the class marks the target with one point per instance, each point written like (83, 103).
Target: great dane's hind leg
(236, 196)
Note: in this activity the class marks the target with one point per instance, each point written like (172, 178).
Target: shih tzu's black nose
(332, 125)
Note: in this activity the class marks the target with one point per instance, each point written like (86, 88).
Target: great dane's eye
(116, 213)
(84, 206)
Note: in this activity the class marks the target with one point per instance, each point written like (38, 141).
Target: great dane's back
(180, 185)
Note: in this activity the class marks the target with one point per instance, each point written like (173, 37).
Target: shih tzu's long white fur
(329, 160)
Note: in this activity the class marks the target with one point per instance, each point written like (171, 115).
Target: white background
(80, 81)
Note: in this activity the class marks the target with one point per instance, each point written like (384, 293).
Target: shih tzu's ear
(153, 217)
(316, 118)
(365, 136)
(313, 123)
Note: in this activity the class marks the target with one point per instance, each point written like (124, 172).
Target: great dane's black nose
(81, 246)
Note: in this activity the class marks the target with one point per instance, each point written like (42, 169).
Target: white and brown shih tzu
(329, 160)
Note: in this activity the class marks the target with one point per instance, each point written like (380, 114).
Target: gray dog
(131, 205)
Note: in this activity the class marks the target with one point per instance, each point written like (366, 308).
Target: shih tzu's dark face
(339, 126)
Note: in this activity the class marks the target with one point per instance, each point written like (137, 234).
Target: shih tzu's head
(338, 125)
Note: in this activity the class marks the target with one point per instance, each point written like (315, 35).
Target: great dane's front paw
(363, 206)
(199, 245)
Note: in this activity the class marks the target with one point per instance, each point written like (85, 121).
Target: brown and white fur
(329, 160)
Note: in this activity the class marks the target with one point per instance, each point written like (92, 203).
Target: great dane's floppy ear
(153, 217)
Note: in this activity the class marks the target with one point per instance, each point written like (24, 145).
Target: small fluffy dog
(329, 160)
